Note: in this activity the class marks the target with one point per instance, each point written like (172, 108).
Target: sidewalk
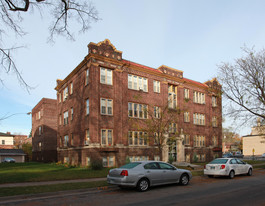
(25, 184)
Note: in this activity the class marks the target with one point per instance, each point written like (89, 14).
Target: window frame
(156, 86)
(108, 131)
(106, 106)
(104, 72)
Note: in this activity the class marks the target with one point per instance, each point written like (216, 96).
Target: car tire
(184, 180)
(231, 174)
(143, 185)
(249, 172)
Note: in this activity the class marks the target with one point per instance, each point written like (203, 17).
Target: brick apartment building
(99, 98)
(44, 131)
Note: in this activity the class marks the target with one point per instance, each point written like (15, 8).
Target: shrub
(170, 159)
(96, 164)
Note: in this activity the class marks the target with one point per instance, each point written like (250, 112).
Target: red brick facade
(86, 83)
(44, 131)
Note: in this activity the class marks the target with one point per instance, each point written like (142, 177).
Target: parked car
(144, 174)
(227, 155)
(9, 159)
(263, 155)
(238, 155)
(227, 167)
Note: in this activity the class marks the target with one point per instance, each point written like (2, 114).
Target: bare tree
(65, 13)
(160, 126)
(243, 85)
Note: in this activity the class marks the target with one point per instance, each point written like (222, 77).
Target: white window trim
(106, 76)
(141, 83)
(106, 101)
(107, 139)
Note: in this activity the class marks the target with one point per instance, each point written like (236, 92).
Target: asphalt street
(242, 190)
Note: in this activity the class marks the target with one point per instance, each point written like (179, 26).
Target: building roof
(11, 152)
(6, 135)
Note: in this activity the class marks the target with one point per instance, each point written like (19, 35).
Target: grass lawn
(35, 172)
(50, 188)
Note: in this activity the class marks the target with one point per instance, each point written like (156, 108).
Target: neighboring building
(19, 140)
(44, 131)
(6, 140)
(16, 154)
(105, 92)
(254, 144)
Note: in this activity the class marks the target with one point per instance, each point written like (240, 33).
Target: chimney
(8, 133)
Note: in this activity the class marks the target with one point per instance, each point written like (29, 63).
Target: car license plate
(212, 168)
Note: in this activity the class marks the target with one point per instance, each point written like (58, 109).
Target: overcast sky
(192, 35)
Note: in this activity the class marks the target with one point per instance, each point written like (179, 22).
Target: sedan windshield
(130, 165)
(218, 161)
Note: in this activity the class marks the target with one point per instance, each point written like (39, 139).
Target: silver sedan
(144, 174)
(227, 167)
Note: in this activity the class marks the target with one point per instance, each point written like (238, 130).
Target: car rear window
(130, 165)
(218, 161)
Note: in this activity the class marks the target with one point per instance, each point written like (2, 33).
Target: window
(40, 130)
(156, 112)
(215, 141)
(108, 161)
(186, 117)
(214, 121)
(201, 157)
(151, 166)
(172, 128)
(138, 158)
(60, 119)
(156, 86)
(87, 137)
(199, 119)
(199, 141)
(39, 146)
(65, 93)
(137, 110)
(106, 106)
(72, 113)
(88, 161)
(105, 76)
(214, 101)
(87, 77)
(186, 139)
(87, 107)
(137, 138)
(3, 142)
(106, 137)
(66, 160)
(65, 118)
(38, 115)
(66, 140)
(71, 88)
(172, 96)
(137, 83)
(198, 97)
(186, 93)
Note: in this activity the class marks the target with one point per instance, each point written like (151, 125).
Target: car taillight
(222, 167)
(124, 173)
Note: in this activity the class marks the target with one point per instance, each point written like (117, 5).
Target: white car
(227, 167)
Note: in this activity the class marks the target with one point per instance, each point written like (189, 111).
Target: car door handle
(148, 172)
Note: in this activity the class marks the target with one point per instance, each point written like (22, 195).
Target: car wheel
(231, 174)
(249, 172)
(210, 176)
(143, 185)
(184, 179)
